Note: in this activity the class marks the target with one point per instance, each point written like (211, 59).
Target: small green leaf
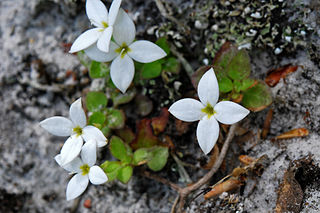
(246, 83)
(151, 70)
(111, 168)
(96, 101)
(98, 70)
(257, 97)
(115, 118)
(225, 85)
(120, 150)
(162, 42)
(97, 118)
(239, 67)
(125, 174)
(171, 65)
(84, 59)
(237, 85)
(159, 157)
(140, 155)
(223, 58)
(106, 131)
(119, 98)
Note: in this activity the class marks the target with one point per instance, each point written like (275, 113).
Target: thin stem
(161, 180)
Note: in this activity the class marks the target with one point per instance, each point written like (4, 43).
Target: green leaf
(106, 131)
(159, 157)
(237, 86)
(120, 150)
(246, 83)
(151, 70)
(140, 155)
(225, 85)
(98, 70)
(257, 97)
(171, 65)
(111, 168)
(239, 67)
(223, 58)
(119, 98)
(96, 101)
(162, 42)
(115, 118)
(97, 118)
(125, 174)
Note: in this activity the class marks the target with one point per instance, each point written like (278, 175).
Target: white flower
(123, 50)
(84, 169)
(75, 128)
(208, 111)
(104, 21)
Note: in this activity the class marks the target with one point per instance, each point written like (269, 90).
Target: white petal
(122, 72)
(73, 166)
(207, 133)
(89, 152)
(97, 55)
(71, 149)
(103, 43)
(76, 186)
(228, 112)
(187, 109)
(97, 175)
(77, 114)
(85, 40)
(124, 30)
(57, 125)
(93, 133)
(146, 51)
(96, 12)
(113, 11)
(208, 88)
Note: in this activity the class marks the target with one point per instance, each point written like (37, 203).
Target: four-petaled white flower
(104, 21)
(85, 170)
(208, 111)
(123, 50)
(75, 128)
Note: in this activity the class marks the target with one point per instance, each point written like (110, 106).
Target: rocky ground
(39, 79)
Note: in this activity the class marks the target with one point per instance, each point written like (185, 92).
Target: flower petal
(113, 11)
(57, 125)
(85, 40)
(207, 133)
(96, 12)
(97, 175)
(228, 112)
(89, 152)
(124, 30)
(122, 72)
(187, 109)
(93, 133)
(76, 186)
(77, 114)
(146, 51)
(71, 149)
(73, 166)
(208, 88)
(103, 43)
(97, 55)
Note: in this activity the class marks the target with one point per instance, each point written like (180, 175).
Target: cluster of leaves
(232, 68)
(130, 149)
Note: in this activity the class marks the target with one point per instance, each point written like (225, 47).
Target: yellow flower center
(123, 50)
(105, 24)
(78, 130)
(85, 169)
(208, 110)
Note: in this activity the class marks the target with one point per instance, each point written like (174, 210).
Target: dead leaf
(246, 160)
(274, 75)
(181, 126)
(213, 158)
(144, 137)
(230, 184)
(294, 133)
(267, 123)
(159, 123)
(125, 134)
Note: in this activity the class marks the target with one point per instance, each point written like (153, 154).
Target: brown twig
(161, 180)
(184, 192)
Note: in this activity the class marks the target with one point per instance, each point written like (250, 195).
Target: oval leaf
(96, 101)
(125, 174)
(120, 150)
(159, 157)
(115, 118)
(239, 67)
(257, 97)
